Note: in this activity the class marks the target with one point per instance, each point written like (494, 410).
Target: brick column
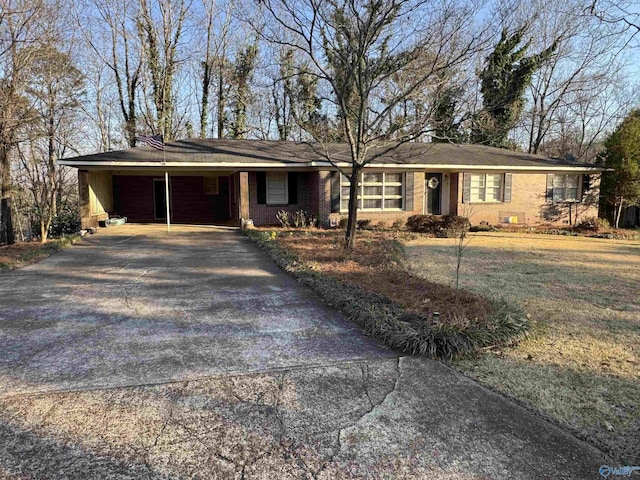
(244, 196)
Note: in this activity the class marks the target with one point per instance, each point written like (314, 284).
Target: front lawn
(581, 366)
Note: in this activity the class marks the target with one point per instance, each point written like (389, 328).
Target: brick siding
(265, 215)
(528, 204)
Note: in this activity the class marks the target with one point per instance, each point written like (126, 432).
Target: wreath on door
(433, 183)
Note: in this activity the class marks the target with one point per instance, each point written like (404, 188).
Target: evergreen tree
(506, 75)
(245, 65)
(621, 185)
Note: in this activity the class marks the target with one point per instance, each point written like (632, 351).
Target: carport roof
(253, 154)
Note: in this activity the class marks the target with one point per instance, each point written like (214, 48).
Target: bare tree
(160, 41)
(110, 30)
(54, 90)
(23, 25)
(356, 47)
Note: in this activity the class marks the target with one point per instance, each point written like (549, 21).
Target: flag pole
(166, 188)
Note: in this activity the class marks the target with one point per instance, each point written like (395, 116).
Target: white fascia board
(225, 165)
(464, 168)
(391, 166)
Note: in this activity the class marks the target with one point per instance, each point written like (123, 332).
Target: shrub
(447, 226)
(593, 224)
(481, 228)
(363, 224)
(398, 224)
(66, 222)
(283, 217)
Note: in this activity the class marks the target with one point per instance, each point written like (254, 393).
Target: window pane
(558, 181)
(393, 203)
(372, 178)
(477, 181)
(393, 190)
(372, 190)
(277, 188)
(493, 180)
(372, 203)
(572, 181)
(345, 192)
(493, 194)
(344, 204)
(557, 195)
(572, 194)
(393, 178)
(477, 194)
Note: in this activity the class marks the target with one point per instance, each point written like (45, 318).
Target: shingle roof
(232, 153)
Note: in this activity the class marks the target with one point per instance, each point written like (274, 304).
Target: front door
(433, 193)
(159, 199)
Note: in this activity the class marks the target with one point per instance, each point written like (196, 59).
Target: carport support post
(166, 196)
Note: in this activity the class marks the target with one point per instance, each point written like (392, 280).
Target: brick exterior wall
(528, 204)
(265, 215)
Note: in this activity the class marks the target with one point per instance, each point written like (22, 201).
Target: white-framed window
(376, 191)
(565, 188)
(277, 189)
(485, 187)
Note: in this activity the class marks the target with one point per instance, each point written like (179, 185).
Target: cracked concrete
(226, 369)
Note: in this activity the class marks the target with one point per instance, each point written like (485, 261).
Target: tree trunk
(352, 220)
(619, 212)
(221, 98)
(6, 224)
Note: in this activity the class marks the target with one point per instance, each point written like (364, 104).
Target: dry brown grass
(21, 254)
(583, 364)
(373, 266)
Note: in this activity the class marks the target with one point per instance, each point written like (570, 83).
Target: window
(277, 189)
(211, 186)
(563, 188)
(376, 191)
(486, 187)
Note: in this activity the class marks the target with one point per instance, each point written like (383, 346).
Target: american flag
(155, 141)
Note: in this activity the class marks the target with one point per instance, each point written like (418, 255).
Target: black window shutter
(335, 192)
(508, 182)
(408, 191)
(550, 187)
(262, 187)
(466, 187)
(586, 186)
(293, 188)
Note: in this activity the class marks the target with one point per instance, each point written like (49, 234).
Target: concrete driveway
(142, 354)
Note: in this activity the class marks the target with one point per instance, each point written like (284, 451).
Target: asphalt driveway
(141, 354)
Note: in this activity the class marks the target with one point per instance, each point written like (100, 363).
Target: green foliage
(396, 328)
(506, 75)
(446, 128)
(242, 73)
(621, 186)
(447, 226)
